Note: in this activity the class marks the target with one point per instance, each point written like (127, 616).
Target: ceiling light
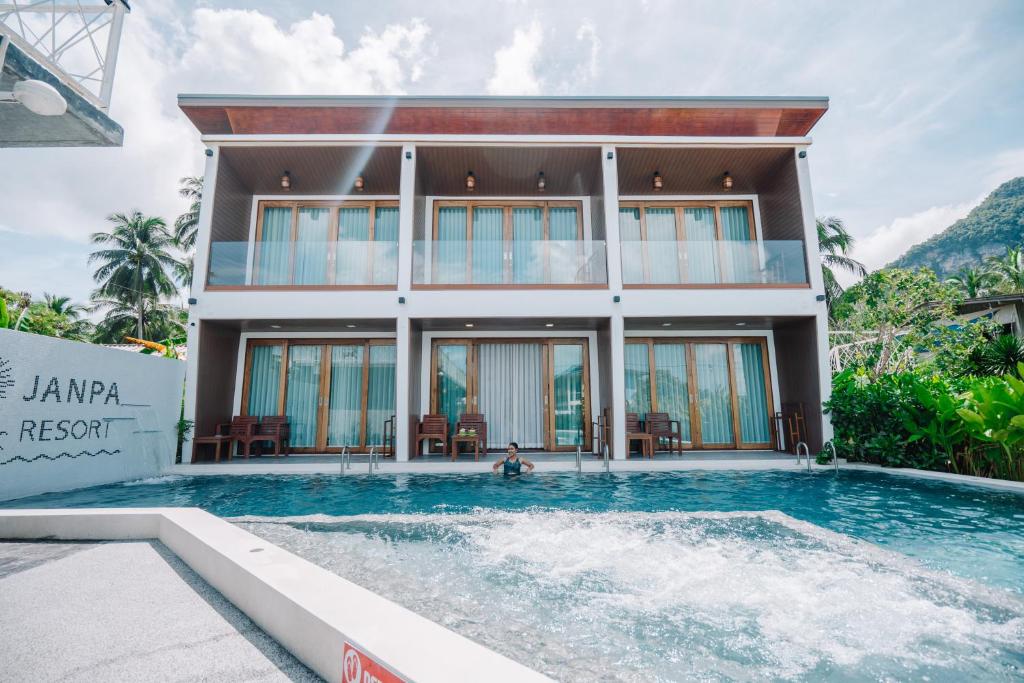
(286, 180)
(360, 183)
(726, 181)
(350, 326)
(469, 324)
(740, 324)
(470, 181)
(657, 182)
(549, 324)
(541, 183)
(276, 327)
(36, 96)
(666, 324)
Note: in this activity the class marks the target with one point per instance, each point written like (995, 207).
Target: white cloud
(888, 242)
(515, 64)
(1005, 166)
(587, 32)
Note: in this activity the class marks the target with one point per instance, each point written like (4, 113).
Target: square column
(618, 382)
(406, 217)
(610, 178)
(402, 388)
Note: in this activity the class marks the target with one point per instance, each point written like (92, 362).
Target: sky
(926, 99)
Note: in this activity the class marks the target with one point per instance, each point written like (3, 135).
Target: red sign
(359, 667)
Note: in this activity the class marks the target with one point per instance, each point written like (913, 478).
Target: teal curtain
(564, 248)
(632, 247)
(568, 398)
(275, 246)
(451, 381)
(752, 393)
(450, 259)
(264, 380)
(345, 409)
(380, 392)
(741, 251)
(385, 245)
(638, 379)
(488, 245)
(312, 234)
(701, 245)
(527, 233)
(714, 395)
(673, 384)
(303, 394)
(352, 264)
(662, 249)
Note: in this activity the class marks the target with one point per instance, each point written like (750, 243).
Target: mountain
(990, 227)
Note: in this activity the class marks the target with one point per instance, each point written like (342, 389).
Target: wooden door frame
(472, 345)
(696, 436)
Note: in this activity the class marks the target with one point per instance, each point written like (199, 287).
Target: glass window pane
(673, 384)
(742, 263)
(273, 259)
(352, 260)
(701, 245)
(380, 392)
(488, 244)
(638, 379)
(303, 394)
(264, 380)
(714, 395)
(312, 234)
(568, 399)
(752, 393)
(662, 252)
(345, 407)
(632, 248)
(563, 223)
(451, 381)
(527, 244)
(450, 262)
(385, 247)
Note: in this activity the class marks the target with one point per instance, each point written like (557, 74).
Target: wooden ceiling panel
(509, 171)
(698, 171)
(316, 170)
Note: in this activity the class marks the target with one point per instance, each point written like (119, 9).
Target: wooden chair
(660, 426)
(473, 421)
(222, 436)
(242, 430)
(796, 426)
(274, 429)
(388, 450)
(634, 432)
(432, 428)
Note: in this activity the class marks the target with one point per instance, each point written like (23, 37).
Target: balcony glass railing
(516, 262)
(774, 262)
(311, 264)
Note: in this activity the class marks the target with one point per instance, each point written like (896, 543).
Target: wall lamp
(726, 181)
(657, 182)
(541, 182)
(286, 180)
(360, 183)
(470, 181)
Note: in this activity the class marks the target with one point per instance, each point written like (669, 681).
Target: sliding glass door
(531, 391)
(335, 393)
(717, 389)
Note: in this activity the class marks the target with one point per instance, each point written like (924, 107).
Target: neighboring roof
(613, 116)
(985, 302)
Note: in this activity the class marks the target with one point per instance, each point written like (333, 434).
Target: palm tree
(161, 321)
(183, 271)
(973, 282)
(61, 305)
(833, 244)
(187, 224)
(1010, 270)
(136, 264)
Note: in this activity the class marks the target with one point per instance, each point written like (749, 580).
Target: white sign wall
(75, 415)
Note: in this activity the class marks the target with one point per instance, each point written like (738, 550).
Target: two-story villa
(553, 263)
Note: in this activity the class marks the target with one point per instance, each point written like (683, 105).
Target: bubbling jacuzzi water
(665, 596)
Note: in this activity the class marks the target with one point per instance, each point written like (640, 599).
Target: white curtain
(512, 393)
(264, 380)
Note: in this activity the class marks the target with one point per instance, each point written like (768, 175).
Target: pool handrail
(345, 461)
(835, 456)
(579, 460)
(807, 452)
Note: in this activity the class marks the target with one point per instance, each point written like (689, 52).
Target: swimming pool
(661, 576)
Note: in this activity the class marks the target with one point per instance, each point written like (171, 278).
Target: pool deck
(545, 462)
(124, 611)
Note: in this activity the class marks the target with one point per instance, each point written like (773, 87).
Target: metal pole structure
(110, 58)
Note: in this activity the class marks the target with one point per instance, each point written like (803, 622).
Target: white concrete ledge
(307, 609)
(964, 479)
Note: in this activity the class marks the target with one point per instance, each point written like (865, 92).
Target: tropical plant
(5, 317)
(974, 282)
(1001, 356)
(183, 271)
(834, 242)
(120, 320)
(134, 266)
(187, 224)
(1010, 269)
(995, 415)
(934, 423)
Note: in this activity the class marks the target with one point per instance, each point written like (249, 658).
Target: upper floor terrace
(507, 194)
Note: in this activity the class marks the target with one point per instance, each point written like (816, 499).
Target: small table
(466, 438)
(646, 444)
(216, 441)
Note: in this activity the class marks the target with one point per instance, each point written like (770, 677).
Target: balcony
(297, 265)
(482, 264)
(717, 263)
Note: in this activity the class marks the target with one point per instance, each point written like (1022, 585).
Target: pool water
(661, 576)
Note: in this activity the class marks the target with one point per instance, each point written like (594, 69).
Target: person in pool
(512, 463)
